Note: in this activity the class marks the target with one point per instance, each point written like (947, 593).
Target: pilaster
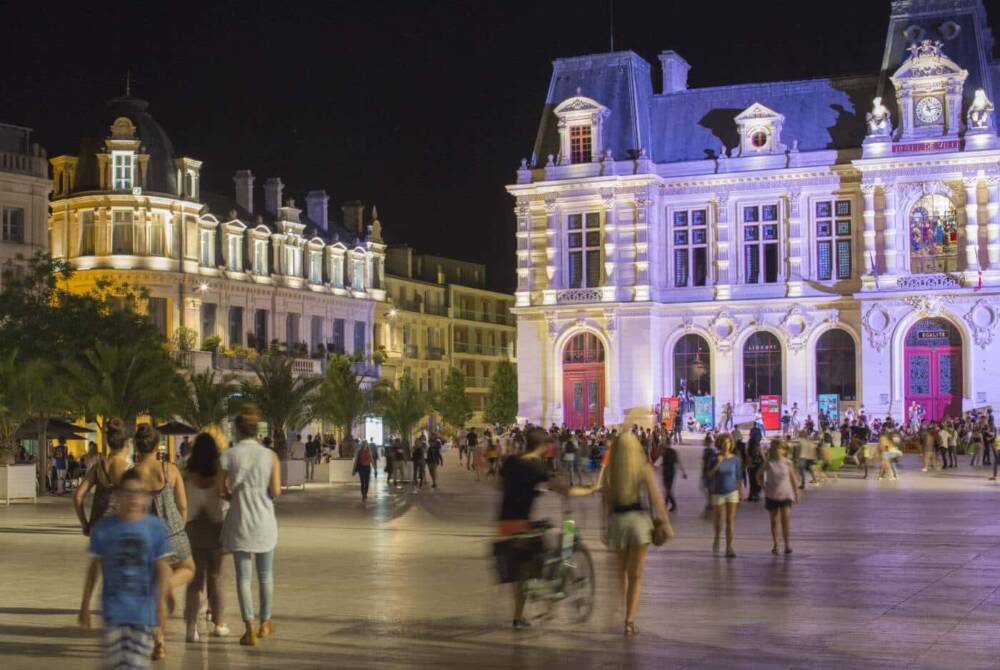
(993, 221)
(793, 217)
(868, 215)
(971, 184)
(720, 213)
(890, 232)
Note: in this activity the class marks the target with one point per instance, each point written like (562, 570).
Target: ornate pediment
(927, 60)
(756, 112)
(579, 104)
(759, 128)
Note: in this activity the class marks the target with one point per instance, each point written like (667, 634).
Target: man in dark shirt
(519, 478)
(670, 463)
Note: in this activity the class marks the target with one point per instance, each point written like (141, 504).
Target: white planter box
(293, 473)
(336, 471)
(17, 482)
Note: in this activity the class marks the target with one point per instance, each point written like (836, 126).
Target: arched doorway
(583, 382)
(761, 366)
(692, 366)
(835, 365)
(933, 365)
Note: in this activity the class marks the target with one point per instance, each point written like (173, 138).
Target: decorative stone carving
(550, 204)
(982, 319)
(687, 322)
(928, 282)
(980, 116)
(796, 324)
(833, 318)
(608, 197)
(929, 305)
(879, 120)
(877, 323)
(578, 295)
(794, 203)
(553, 328)
(523, 207)
(723, 329)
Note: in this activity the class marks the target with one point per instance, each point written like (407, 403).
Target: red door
(933, 365)
(583, 382)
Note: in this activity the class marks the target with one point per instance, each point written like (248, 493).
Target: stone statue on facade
(980, 115)
(879, 120)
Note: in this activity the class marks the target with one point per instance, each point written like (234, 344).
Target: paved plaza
(884, 575)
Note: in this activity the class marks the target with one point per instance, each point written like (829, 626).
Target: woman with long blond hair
(630, 525)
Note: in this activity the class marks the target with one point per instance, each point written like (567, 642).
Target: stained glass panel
(592, 396)
(844, 227)
(770, 212)
(843, 208)
(823, 210)
(751, 233)
(680, 218)
(680, 237)
(680, 267)
(751, 214)
(577, 396)
(700, 236)
(843, 259)
(933, 235)
(698, 217)
(824, 260)
(947, 374)
(771, 232)
(823, 229)
(920, 374)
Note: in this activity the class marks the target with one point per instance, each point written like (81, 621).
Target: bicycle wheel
(579, 585)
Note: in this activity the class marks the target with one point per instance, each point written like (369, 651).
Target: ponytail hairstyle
(117, 434)
(245, 423)
(146, 439)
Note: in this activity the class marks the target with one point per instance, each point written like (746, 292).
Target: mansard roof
(221, 206)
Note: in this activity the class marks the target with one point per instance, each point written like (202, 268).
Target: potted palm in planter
(16, 481)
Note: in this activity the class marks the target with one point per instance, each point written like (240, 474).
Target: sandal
(631, 630)
(159, 651)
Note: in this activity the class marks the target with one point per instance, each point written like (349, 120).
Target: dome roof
(153, 140)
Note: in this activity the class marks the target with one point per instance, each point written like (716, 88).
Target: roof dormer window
(124, 166)
(580, 144)
(581, 122)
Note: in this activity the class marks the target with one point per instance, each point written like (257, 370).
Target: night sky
(422, 108)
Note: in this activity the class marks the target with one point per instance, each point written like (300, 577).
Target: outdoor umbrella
(54, 428)
(176, 428)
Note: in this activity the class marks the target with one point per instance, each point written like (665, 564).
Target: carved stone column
(612, 247)
(890, 234)
(522, 212)
(553, 244)
(868, 192)
(993, 221)
(642, 202)
(971, 222)
(723, 276)
(794, 233)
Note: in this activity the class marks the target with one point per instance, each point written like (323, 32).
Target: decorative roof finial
(374, 213)
(578, 90)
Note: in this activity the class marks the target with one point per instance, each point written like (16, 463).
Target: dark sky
(422, 108)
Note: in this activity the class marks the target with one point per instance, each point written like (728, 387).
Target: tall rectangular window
(12, 227)
(359, 337)
(316, 267)
(292, 257)
(690, 239)
(315, 332)
(87, 232)
(236, 326)
(292, 329)
(158, 314)
(338, 336)
(157, 236)
(260, 257)
(583, 241)
(833, 239)
(206, 250)
(760, 244)
(580, 144)
(123, 165)
(260, 328)
(207, 320)
(338, 272)
(358, 275)
(121, 231)
(234, 260)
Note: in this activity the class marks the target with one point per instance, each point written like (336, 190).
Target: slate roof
(220, 206)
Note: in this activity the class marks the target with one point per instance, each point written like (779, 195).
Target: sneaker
(715, 546)
(221, 630)
(192, 635)
(521, 624)
(923, 469)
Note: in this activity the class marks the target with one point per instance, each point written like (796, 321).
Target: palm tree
(403, 407)
(206, 401)
(285, 400)
(123, 380)
(340, 399)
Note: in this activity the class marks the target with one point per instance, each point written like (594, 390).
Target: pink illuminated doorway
(933, 368)
(583, 382)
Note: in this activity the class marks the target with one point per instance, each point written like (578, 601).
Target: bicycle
(566, 572)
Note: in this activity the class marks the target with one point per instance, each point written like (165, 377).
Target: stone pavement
(884, 575)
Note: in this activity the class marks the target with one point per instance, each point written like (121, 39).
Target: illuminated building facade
(235, 270)
(24, 196)
(800, 238)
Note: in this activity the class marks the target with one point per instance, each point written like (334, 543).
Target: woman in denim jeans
(251, 480)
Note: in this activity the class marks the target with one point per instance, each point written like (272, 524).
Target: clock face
(929, 110)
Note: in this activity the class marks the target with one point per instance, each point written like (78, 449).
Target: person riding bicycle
(519, 478)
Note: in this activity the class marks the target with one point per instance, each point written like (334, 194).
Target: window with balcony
(315, 333)
(690, 240)
(583, 242)
(833, 239)
(12, 226)
(338, 336)
(760, 244)
(157, 236)
(236, 326)
(124, 166)
(208, 310)
(581, 144)
(358, 275)
(292, 329)
(206, 248)
(338, 272)
(360, 328)
(158, 314)
(260, 328)
(87, 232)
(121, 231)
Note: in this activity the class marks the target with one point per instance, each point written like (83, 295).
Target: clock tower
(929, 88)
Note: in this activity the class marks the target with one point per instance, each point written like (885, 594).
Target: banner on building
(829, 404)
(770, 411)
(668, 411)
(704, 410)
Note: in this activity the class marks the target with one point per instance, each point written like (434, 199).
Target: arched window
(835, 364)
(933, 235)
(584, 348)
(692, 366)
(761, 366)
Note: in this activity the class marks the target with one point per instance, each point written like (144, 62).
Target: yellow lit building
(439, 315)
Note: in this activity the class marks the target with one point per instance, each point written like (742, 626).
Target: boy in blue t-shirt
(132, 550)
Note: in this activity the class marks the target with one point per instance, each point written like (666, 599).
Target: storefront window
(761, 366)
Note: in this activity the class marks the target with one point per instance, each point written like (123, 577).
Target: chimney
(316, 208)
(244, 189)
(272, 194)
(353, 216)
(675, 72)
